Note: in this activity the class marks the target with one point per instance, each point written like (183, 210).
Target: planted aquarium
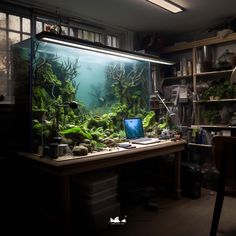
(79, 95)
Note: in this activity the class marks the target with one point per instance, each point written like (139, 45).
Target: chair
(225, 161)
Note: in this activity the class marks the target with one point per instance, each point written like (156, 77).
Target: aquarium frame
(98, 47)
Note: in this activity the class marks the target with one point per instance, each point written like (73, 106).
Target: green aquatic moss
(76, 131)
(97, 146)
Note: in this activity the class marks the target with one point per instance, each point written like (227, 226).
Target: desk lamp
(170, 114)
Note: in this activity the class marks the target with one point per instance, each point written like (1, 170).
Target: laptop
(135, 133)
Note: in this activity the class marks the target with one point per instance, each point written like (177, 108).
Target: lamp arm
(162, 101)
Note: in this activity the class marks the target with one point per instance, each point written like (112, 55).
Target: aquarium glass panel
(22, 91)
(79, 95)
(106, 88)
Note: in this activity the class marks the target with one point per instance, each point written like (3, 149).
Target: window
(78, 32)
(112, 41)
(13, 29)
(46, 25)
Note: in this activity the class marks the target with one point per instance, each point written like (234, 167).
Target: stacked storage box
(95, 199)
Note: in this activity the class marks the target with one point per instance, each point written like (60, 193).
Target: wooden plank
(199, 43)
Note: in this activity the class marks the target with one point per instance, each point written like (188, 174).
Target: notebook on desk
(135, 133)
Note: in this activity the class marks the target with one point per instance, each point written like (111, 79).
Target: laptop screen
(133, 128)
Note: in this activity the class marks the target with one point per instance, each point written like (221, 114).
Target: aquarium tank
(79, 95)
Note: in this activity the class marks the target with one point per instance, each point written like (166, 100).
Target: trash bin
(191, 178)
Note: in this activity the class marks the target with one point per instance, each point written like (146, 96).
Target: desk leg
(66, 211)
(178, 174)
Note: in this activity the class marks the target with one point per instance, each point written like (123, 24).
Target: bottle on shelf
(198, 66)
(189, 68)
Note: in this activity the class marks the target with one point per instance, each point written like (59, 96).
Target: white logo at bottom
(117, 221)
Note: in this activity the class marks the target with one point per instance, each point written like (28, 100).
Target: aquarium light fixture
(167, 5)
(97, 47)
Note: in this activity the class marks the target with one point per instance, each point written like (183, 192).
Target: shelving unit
(211, 130)
(196, 79)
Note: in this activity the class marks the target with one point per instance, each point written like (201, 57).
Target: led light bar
(97, 47)
(167, 5)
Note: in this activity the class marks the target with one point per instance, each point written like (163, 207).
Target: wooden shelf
(214, 72)
(214, 126)
(219, 100)
(199, 43)
(178, 77)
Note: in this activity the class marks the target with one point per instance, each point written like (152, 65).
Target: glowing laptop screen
(133, 128)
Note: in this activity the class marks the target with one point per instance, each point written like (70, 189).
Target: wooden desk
(65, 167)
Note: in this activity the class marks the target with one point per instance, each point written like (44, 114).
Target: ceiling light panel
(167, 5)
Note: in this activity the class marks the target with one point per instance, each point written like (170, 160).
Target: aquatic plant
(124, 94)
(128, 84)
(77, 134)
(67, 72)
(96, 91)
(54, 85)
(149, 119)
(95, 122)
(97, 146)
(41, 130)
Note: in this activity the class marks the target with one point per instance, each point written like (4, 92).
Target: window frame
(46, 18)
(8, 94)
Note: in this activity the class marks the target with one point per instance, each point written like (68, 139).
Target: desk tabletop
(107, 157)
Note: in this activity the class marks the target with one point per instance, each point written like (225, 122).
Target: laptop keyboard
(143, 139)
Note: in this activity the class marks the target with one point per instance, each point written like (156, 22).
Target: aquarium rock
(110, 142)
(87, 141)
(87, 145)
(80, 150)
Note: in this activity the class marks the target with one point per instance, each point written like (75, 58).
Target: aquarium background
(106, 88)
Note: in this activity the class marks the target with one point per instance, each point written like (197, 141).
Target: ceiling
(140, 15)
